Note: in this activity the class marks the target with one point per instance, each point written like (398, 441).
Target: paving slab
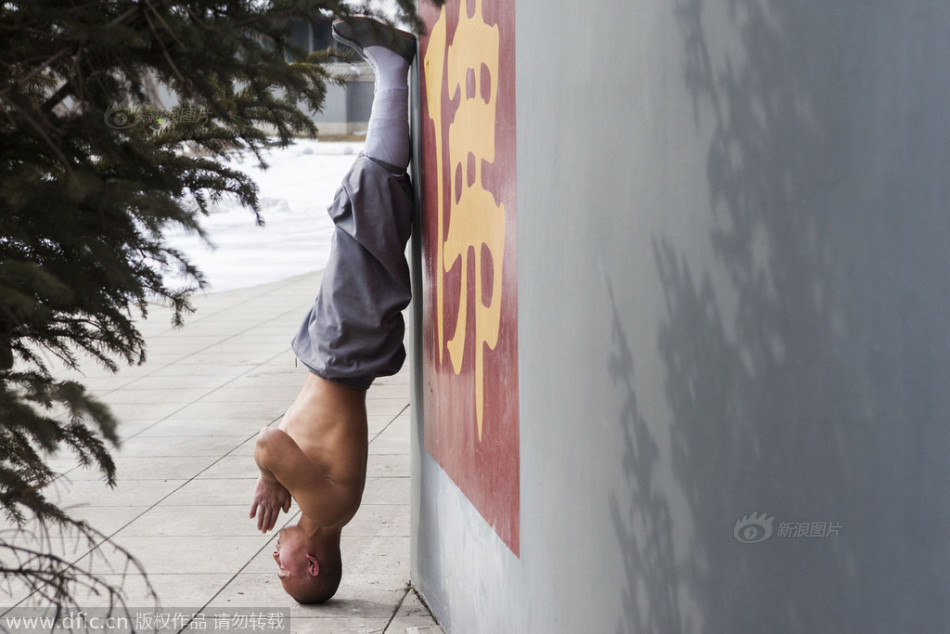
(185, 475)
(413, 617)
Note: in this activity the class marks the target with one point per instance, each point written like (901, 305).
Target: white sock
(391, 69)
(387, 135)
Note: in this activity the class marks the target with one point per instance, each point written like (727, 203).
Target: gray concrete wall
(732, 260)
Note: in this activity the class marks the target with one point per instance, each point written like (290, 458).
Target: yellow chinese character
(476, 222)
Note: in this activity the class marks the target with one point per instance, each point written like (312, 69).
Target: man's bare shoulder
(324, 500)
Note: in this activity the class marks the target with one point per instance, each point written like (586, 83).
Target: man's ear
(313, 566)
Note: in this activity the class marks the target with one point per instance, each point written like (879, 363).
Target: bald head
(312, 589)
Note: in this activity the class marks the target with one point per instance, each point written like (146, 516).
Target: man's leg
(355, 330)
(390, 53)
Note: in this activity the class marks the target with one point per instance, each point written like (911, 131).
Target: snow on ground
(294, 192)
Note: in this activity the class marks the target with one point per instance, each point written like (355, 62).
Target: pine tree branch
(57, 97)
(161, 41)
(42, 133)
(50, 61)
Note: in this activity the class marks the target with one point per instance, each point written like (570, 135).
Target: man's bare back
(328, 423)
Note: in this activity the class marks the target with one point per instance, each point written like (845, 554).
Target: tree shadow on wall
(642, 523)
(805, 365)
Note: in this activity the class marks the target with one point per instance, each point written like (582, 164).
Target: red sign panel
(469, 256)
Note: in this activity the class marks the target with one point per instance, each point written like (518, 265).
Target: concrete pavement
(189, 417)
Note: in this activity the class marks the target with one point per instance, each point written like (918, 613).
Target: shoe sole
(342, 39)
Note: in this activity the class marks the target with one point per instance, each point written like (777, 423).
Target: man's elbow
(263, 446)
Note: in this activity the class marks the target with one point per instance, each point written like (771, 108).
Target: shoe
(360, 33)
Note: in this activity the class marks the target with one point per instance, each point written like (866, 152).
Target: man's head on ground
(310, 568)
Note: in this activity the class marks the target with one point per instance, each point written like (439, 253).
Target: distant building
(346, 108)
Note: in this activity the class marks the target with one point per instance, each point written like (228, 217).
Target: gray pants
(354, 331)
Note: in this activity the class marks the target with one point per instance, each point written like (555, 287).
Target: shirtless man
(352, 334)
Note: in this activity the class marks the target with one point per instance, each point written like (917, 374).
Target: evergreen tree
(92, 173)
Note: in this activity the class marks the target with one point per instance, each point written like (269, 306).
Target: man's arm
(322, 500)
(270, 497)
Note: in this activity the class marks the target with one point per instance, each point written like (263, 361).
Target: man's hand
(270, 497)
